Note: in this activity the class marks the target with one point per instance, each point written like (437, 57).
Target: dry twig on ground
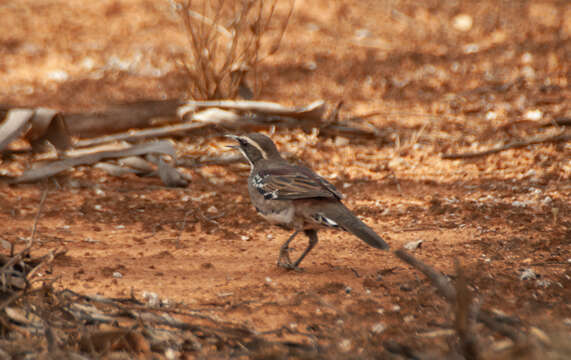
(447, 290)
(559, 137)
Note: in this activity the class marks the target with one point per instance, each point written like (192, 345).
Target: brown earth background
(439, 85)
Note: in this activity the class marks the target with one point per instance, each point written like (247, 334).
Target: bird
(296, 198)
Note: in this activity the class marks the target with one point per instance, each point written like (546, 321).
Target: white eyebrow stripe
(254, 144)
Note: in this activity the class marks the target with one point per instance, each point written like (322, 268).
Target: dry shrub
(225, 43)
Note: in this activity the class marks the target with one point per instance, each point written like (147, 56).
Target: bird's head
(255, 147)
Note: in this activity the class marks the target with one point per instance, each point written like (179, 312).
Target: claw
(284, 260)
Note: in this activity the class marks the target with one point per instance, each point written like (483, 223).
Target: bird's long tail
(346, 220)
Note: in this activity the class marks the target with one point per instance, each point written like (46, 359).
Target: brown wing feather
(294, 182)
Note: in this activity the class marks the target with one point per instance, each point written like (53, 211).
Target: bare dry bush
(225, 43)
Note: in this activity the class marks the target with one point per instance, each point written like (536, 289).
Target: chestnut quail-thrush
(295, 197)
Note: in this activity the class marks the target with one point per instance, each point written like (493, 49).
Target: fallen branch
(14, 125)
(160, 147)
(314, 111)
(118, 118)
(204, 119)
(38, 125)
(561, 137)
(447, 291)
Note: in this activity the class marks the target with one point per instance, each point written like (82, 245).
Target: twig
(449, 293)
(437, 279)
(561, 137)
(44, 196)
(465, 313)
(165, 131)
(182, 227)
(221, 29)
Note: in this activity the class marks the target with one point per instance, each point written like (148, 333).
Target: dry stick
(14, 259)
(438, 280)
(449, 293)
(169, 130)
(44, 196)
(465, 313)
(561, 137)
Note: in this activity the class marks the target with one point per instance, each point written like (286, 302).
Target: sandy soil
(438, 87)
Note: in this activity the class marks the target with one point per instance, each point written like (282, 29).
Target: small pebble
(413, 244)
(345, 345)
(117, 275)
(530, 173)
(395, 308)
(533, 115)
(348, 290)
(341, 141)
(58, 75)
(491, 115)
(471, 48)
(362, 33)
(151, 298)
(171, 354)
(528, 274)
(526, 58)
(378, 328)
(462, 22)
(519, 204)
(311, 65)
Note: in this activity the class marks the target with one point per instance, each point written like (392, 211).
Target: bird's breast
(282, 216)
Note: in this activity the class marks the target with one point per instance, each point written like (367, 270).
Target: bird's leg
(284, 253)
(312, 235)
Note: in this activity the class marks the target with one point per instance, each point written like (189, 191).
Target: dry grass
(226, 41)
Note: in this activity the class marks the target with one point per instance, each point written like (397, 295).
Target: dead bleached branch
(559, 137)
(53, 168)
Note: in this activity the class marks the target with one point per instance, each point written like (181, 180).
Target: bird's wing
(293, 182)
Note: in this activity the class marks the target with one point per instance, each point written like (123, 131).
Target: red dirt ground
(438, 89)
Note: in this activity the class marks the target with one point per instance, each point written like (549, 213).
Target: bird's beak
(233, 137)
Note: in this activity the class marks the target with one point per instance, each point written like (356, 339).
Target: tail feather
(349, 222)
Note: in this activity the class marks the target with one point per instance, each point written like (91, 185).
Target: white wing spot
(325, 220)
(257, 180)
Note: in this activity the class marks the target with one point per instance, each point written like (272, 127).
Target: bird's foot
(289, 266)
(285, 262)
